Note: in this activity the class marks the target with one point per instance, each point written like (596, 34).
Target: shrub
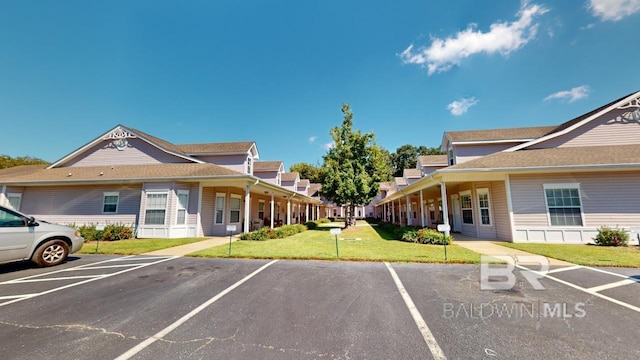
(434, 237)
(267, 233)
(89, 232)
(410, 236)
(399, 231)
(323, 221)
(611, 237)
(311, 225)
(114, 232)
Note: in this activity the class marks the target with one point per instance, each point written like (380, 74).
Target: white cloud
(613, 10)
(312, 139)
(460, 107)
(572, 95)
(503, 38)
(328, 146)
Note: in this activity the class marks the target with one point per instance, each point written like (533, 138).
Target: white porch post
(247, 209)
(271, 213)
(288, 211)
(199, 214)
(298, 218)
(393, 212)
(422, 217)
(400, 211)
(306, 212)
(445, 210)
(408, 210)
(317, 212)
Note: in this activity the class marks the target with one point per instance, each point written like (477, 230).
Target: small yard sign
(231, 228)
(335, 231)
(444, 227)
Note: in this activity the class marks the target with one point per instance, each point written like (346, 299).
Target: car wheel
(51, 253)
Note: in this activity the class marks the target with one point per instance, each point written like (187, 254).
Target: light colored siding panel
(268, 176)
(614, 128)
(500, 210)
(527, 197)
(208, 206)
(81, 204)
(138, 153)
(233, 162)
(465, 153)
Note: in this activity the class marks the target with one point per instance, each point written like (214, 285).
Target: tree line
(8, 161)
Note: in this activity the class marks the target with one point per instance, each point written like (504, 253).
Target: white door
(457, 214)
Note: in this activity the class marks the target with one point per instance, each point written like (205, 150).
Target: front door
(457, 214)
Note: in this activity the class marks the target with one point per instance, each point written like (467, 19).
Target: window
(110, 202)
(279, 179)
(249, 167)
(261, 209)
(183, 202)
(14, 200)
(451, 157)
(465, 204)
(156, 209)
(9, 219)
(563, 204)
(234, 209)
(219, 208)
(483, 205)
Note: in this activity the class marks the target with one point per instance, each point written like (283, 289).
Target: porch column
(408, 210)
(400, 211)
(422, 217)
(199, 214)
(306, 212)
(393, 212)
(298, 219)
(318, 212)
(247, 209)
(271, 213)
(445, 210)
(288, 211)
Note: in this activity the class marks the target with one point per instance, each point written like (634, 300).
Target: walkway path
(183, 250)
(489, 248)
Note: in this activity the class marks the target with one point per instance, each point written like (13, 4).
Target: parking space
(184, 308)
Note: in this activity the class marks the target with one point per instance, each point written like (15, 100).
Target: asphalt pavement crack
(68, 327)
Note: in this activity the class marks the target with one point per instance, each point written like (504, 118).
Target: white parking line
(576, 267)
(34, 278)
(164, 332)
(586, 290)
(427, 335)
(612, 285)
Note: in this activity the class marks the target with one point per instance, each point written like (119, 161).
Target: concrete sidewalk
(489, 248)
(183, 250)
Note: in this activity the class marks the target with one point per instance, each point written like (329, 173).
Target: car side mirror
(31, 221)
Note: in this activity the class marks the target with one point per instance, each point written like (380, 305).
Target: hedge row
(416, 234)
(267, 233)
(111, 232)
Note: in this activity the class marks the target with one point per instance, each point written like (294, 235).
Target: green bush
(267, 233)
(434, 237)
(611, 237)
(114, 232)
(311, 225)
(410, 236)
(323, 221)
(89, 232)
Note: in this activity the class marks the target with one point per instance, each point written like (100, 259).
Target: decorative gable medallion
(634, 103)
(119, 138)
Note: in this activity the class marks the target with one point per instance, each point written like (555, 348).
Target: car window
(8, 219)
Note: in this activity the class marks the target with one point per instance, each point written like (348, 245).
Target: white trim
(215, 208)
(462, 209)
(239, 197)
(570, 186)
(185, 208)
(111, 193)
(507, 184)
(199, 214)
(146, 207)
(574, 126)
(482, 191)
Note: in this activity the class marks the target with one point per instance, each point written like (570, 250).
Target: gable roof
(433, 160)
(582, 120)
(313, 188)
(411, 173)
(267, 166)
(565, 157)
(289, 176)
(400, 181)
(303, 182)
(498, 135)
(237, 147)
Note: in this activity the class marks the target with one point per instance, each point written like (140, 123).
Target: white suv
(24, 238)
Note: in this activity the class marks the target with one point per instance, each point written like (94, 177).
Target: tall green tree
(308, 171)
(352, 167)
(406, 157)
(8, 161)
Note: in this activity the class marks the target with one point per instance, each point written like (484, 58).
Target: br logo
(496, 271)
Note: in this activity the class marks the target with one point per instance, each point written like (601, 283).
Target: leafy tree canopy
(406, 157)
(7, 161)
(308, 171)
(352, 168)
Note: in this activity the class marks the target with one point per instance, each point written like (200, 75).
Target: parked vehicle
(24, 238)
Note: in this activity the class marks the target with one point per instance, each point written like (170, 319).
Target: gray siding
(500, 210)
(614, 128)
(81, 204)
(137, 153)
(268, 176)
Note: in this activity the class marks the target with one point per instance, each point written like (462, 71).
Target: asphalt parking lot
(107, 307)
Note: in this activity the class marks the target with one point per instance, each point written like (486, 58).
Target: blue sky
(277, 72)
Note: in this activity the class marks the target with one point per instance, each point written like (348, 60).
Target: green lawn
(589, 255)
(361, 243)
(133, 246)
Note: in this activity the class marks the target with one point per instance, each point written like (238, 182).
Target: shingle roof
(163, 143)
(433, 160)
(27, 174)
(290, 176)
(303, 182)
(555, 157)
(400, 181)
(412, 173)
(314, 187)
(213, 148)
(516, 134)
(267, 165)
